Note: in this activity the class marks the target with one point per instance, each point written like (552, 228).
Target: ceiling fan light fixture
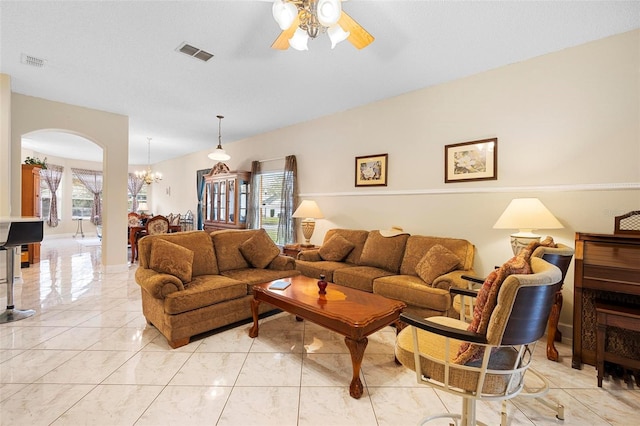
(329, 12)
(299, 40)
(284, 13)
(337, 34)
(219, 154)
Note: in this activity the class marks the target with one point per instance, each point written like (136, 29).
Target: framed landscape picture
(371, 170)
(468, 161)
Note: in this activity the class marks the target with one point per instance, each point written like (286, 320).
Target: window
(270, 186)
(142, 197)
(45, 199)
(81, 200)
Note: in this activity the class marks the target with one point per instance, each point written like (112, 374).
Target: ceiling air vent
(32, 60)
(194, 52)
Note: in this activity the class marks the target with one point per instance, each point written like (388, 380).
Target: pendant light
(219, 154)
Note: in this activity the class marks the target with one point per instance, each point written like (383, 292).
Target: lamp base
(308, 225)
(519, 242)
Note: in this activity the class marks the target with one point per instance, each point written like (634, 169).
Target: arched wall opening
(68, 150)
(107, 130)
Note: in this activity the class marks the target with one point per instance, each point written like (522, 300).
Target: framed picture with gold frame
(371, 170)
(471, 161)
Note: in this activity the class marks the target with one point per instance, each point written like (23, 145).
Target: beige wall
(568, 133)
(109, 131)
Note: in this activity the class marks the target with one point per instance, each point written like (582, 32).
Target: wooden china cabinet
(31, 207)
(225, 199)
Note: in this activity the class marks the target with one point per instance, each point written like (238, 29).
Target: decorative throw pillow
(170, 258)
(437, 261)
(259, 250)
(384, 252)
(487, 300)
(336, 248)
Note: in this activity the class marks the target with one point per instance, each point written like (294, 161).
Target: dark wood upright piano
(607, 269)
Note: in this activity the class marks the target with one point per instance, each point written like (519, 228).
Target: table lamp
(526, 215)
(308, 210)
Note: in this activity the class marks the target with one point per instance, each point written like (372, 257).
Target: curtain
(253, 209)
(286, 229)
(135, 185)
(92, 180)
(200, 174)
(52, 176)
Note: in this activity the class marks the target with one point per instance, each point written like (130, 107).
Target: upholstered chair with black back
(486, 359)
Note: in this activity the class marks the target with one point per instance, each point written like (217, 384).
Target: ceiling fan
(301, 20)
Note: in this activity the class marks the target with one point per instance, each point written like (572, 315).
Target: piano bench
(615, 316)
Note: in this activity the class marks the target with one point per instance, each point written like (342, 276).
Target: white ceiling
(120, 56)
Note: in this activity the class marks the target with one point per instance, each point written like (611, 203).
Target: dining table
(134, 231)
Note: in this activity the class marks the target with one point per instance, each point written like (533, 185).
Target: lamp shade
(308, 209)
(284, 13)
(337, 34)
(219, 154)
(329, 12)
(527, 214)
(143, 207)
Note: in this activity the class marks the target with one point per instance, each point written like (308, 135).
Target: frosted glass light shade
(219, 154)
(299, 40)
(284, 13)
(329, 12)
(337, 34)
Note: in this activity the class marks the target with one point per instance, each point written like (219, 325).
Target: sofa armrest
(452, 279)
(310, 255)
(157, 284)
(283, 263)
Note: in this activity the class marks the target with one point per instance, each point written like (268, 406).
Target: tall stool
(21, 231)
(624, 317)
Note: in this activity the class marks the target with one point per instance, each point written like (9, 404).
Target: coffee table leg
(254, 311)
(356, 348)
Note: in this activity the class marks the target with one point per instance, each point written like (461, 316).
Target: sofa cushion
(204, 258)
(314, 269)
(411, 290)
(383, 252)
(359, 277)
(437, 261)
(203, 291)
(259, 250)
(172, 259)
(252, 276)
(336, 248)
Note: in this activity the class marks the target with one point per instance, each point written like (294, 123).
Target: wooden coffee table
(353, 313)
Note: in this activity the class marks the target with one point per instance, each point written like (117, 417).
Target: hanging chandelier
(147, 176)
(219, 154)
(301, 20)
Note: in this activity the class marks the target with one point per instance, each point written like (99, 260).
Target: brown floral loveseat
(416, 269)
(193, 282)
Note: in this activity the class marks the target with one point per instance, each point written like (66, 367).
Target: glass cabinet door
(215, 201)
(223, 201)
(243, 200)
(232, 200)
(207, 202)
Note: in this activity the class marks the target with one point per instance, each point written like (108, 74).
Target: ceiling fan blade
(358, 36)
(282, 42)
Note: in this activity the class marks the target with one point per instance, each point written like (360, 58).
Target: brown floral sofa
(419, 270)
(193, 282)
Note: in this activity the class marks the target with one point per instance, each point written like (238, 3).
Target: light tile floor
(88, 358)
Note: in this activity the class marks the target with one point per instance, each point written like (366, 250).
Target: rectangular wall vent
(194, 52)
(32, 60)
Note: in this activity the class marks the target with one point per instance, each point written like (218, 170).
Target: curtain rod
(271, 159)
